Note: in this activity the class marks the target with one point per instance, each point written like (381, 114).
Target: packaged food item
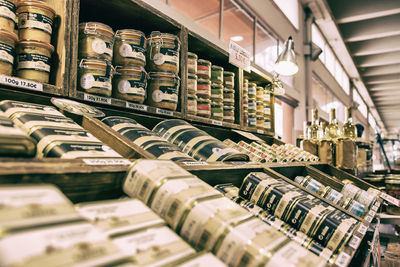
(245, 118)
(332, 195)
(310, 183)
(35, 21)
(26, 121)
(129, 48)
(11, 107)
(163, 52)
(252, 119)
(217, 74)
(94, 76)
(115, 217)
(229, 81)
(96, 40)
(163, 90)
(252, 106)
(8, 15)
(217, 92)
(29, 206)
(229, 114)
(203, 88)
(217, 111)
(192, 62)
(252, 90)
(259, 108)
(7, 49)
(73, 244)
(192, 104)
(267, 123)
(33, 60)
(260, 122)
(73, 108)
(229, 96)
(76, 149)
(204, 69)
(130, 83)
(155, 246)
(191, 83)
(353, 206)
(204, 107)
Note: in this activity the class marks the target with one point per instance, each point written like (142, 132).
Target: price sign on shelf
(219, 123)
(164, 112)
(136, 106)
(390, 199)
(16, 82)
(97, 99)
(239, 56)
(102, 162)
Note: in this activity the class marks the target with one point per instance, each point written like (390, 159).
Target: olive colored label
(33, 62)
(35, 21)
(6, 53)
(8, 9)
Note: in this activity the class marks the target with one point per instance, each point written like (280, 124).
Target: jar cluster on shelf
(256, 106)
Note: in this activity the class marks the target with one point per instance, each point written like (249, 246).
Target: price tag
(16, 82)
(219, 123)
(368, 218)
(343, 259)
(260, 131)
(375, 208)
(391, 199)
(362, 229)
(136, 106)
(372, 213)
(97, 99)
(239, 56)
(164, 112)
(107, 162)
(195, 163)
(354, 242)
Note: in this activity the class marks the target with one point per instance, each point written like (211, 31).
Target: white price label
(97, 99)
(372, 213)
(239, 56)
(391, 199)
(136, 106)
(16, 82)
(363, 229)
(260, 131)
(375, 207)
(219, 123)
(343, 259)
(354, 242)
(368, 218)
(164, 112)
(195, 163)
(107, 161)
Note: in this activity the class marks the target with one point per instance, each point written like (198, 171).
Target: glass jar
(8, 15)
(252, 90)
(245, 86)
(252, 106)
(204, 107)
(229, 96)
(217, 92)
(203, 88)
(162, 90)
(94, 76)
(191, 83)
(245, 103)
(96, 40)
(129, 83)
(245, 117)
(217, 111)
(229, 80)
(267, 110)
(259, 121)
(33, 60)
(192, 104)
(217, 74)
(252, 120)
(163, 52)
(129, 48)
(204, 69)
(35, 21)
(7, 51)
(260, 107)
(192, 62)
(229, 113)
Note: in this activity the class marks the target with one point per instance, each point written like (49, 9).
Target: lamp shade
(286, 63)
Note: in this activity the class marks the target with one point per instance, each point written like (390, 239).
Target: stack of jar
(229, 96)
(259, 107)
(32, 45)
(267, 109)
(245, 102)
(192, 83)
(217, 93)
(203, 88)
(252, 104)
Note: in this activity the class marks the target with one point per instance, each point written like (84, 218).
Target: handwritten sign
(239, 56)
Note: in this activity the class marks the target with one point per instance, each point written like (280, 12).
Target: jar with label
(204, 107)
(35, 21)
(229, 80)
(129, 83)
(245, 102)
(163, 52)
(229, 96)
(267, 97)
(252, 90)
(351, 191)
(94, 76)
(203, 88)
(217, 92)
(267, 110)
(129, 48)
(204, 69)
(245, 117)
(163, 90)
(7, 51)
(267, 123)
(192, 62)
(332, 195)
(259, 121)
(191, 83)
(353, 207)
(217, 74)
(192, 104)
(33, 60)
(245, 86)
(96, 40)
(8, 15)
(260, 107)
(229, 114)
(252, 120)
(217, 111)
(252, 106)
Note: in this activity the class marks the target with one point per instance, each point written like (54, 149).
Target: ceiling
(371, 32)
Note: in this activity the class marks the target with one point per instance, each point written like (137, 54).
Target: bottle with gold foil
(332, 131)
(315, 131)
(349, 129)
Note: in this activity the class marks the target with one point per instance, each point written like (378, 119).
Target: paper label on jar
(73, 137)
(6, 53)
(8, 10)
(165, 94)
(131, 87)
(105, 152)
(100, 47)
(267, 111)
(194, 141)
(89, 80)
(32, 108)
(166, 55)
(217, 114)
(35, 21)
(33, 62)
(132, 51)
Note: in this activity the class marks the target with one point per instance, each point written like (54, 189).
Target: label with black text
(107, 162)
(97, 99)
(16, 82)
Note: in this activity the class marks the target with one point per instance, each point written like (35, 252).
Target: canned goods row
(208, 221)
(320, 221)
(55, 134)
